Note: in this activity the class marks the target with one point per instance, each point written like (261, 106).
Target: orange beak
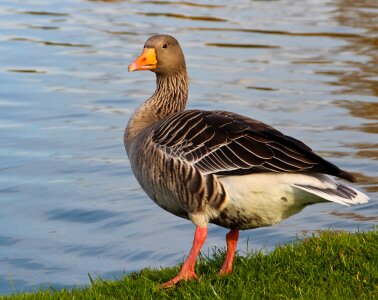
(146, 61)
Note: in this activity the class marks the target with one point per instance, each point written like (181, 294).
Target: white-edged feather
(356, 198)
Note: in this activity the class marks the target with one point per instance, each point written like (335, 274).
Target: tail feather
(339, 193)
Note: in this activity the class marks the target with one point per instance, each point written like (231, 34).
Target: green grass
(332, 265)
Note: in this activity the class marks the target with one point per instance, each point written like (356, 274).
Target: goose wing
(225, 143)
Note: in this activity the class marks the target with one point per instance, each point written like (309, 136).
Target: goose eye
(165, 46)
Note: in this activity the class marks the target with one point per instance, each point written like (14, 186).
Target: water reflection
(278, 32)
(80, 215)
(361, 109)
(184, 3)
(26, 71)
(227, 45)
(50, 43)
(8, 241)
(370, 182)
(362, 79)
(43, 27)
(181, 16)
(353, 216)
(44, 13)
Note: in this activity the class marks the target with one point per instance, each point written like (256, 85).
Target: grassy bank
(334, 265)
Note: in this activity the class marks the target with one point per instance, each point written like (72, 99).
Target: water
(69, 203)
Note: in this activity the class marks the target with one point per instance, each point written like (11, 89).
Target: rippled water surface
(69, 203)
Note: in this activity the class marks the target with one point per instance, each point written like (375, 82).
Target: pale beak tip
(132, 67)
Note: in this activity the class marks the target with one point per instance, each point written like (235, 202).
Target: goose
(216, 166)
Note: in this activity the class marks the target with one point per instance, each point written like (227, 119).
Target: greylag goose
(216, 166)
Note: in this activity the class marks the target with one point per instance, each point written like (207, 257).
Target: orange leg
(232, 240)
(187, 270)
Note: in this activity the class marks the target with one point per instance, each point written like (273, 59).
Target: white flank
(276, 196)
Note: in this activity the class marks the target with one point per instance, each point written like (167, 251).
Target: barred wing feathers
(224, 143)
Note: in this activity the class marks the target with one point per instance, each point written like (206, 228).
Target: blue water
(69, 203)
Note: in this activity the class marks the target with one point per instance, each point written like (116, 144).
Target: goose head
(161, 54)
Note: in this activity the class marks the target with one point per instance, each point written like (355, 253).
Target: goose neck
(170, 97)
